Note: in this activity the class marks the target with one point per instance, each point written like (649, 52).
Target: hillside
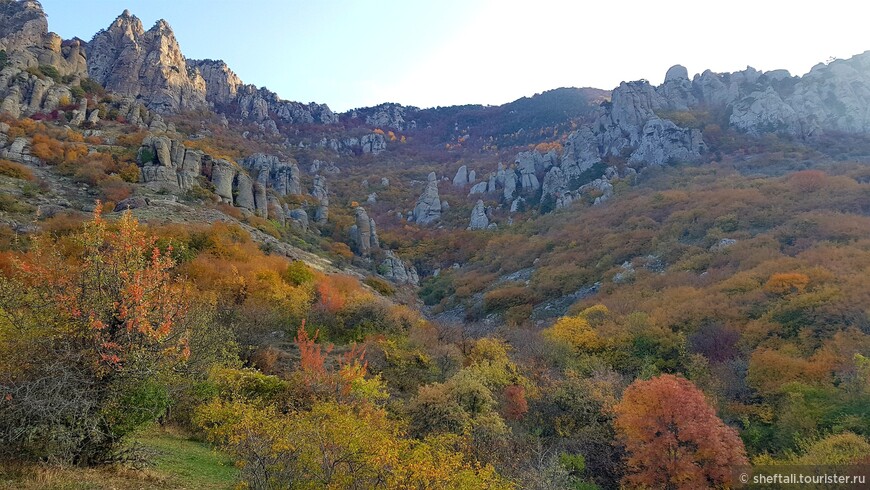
(459, 297)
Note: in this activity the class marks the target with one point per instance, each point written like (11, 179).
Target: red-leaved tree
(673, 438)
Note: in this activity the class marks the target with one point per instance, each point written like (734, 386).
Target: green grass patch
(187, 463)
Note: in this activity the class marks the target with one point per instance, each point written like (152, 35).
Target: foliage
(15, 170)
(103, 318)
(673, 437)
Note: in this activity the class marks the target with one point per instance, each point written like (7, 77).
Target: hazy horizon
(351, 54)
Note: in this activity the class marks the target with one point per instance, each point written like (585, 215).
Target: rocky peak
(145, 64)
(221, 83)
(22, 24)
(677, 72)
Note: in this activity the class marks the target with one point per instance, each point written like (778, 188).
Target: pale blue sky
(349, 53)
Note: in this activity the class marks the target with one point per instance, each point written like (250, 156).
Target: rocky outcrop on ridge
(149, 65)
(128, 60)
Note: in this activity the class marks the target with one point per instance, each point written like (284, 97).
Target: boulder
(298, 219)
(510, 184)
(677, 72)
(243, 192)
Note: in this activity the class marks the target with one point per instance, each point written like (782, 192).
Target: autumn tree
(87, 324)
(673, 437)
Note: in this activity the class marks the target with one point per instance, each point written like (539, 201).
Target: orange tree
(89, 322)
(673, 437)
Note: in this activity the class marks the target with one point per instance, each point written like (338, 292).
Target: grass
(192, 464)
(177, 462)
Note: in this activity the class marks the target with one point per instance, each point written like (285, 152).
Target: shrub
(115, 189)
(381, 286)
(15, 170)
(50, 72)
(297, 273)
(96, 326)
(506, 297)
(91, 86)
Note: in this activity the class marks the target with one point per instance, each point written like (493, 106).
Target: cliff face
(150, 66)
(147, 65)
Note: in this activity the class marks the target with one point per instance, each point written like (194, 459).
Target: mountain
(510, 290)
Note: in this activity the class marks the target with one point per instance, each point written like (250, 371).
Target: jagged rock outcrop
(168, 163)
(19, 151)
(27, 44)
(765, 112)
(389, 116)
(580, 152)
(318, 166)
(461, 177)
(150, 65)
(221, 83)
(320, 191)
(363, 234)
(663, 141)
(529, 164)
(25, 38)
(478, 220)
(398, 271)
(374, 143)
(428, 207)
(258, 103)
(270, 171)
(127, 59)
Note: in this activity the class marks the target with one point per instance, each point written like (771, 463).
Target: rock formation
(271, 171)
(428, 207)
(168, 163)
(479, 220)
(127, 59)
(363, 234)
(461, 178)
(149, 65)
(320, 191)
(397, 271)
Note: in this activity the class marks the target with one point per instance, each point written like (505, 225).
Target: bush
(97, 326)
(381, 286)
(91, 86)
(506, 297)
(50, 72)
(115, 189)
(297, 273)
(4, 60)
(15, 170)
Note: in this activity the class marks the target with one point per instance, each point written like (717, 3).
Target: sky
(355, 53)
